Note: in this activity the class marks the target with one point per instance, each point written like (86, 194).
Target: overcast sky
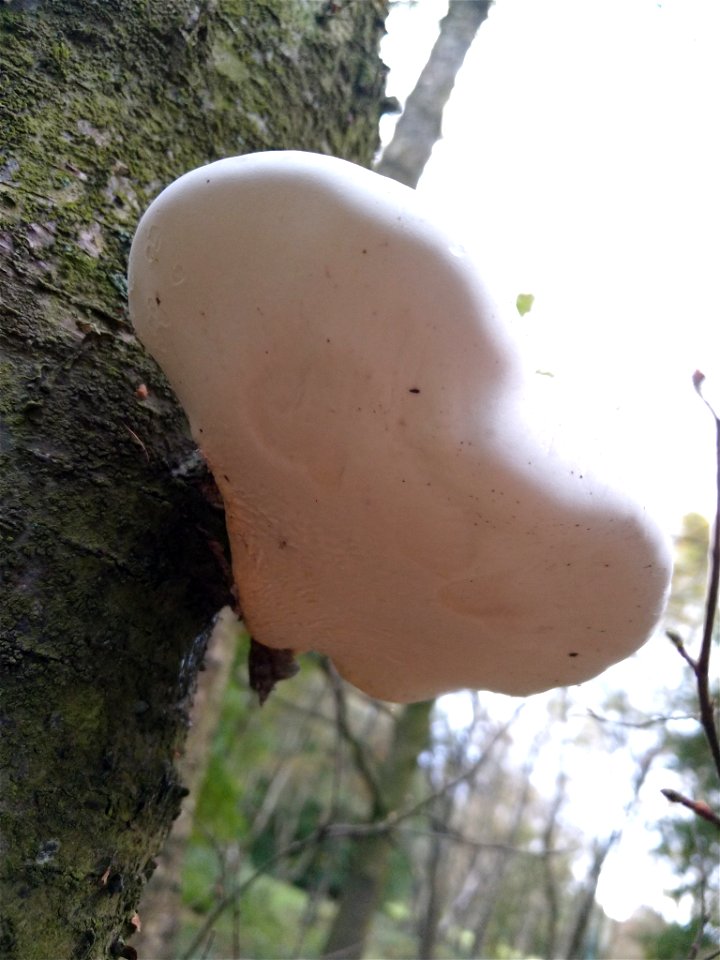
(579, 162)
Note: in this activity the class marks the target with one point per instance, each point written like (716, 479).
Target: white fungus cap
(359, 402)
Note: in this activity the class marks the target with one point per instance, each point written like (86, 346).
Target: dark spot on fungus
(157, 300)
(282, 544)
(572, 654)
(414, 390)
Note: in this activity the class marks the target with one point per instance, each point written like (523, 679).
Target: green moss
(227, 62)
(110, 569)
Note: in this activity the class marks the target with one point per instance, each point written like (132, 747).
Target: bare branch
(677, 642)
(418, 129)
(457, 837)
(701, 666)
(703, 921)
(697, 806)
(466, 774)
(637, 724)
(360, 757)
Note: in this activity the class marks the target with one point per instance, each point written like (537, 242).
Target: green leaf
(524, 303)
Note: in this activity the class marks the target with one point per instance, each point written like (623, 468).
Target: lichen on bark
(108, 549)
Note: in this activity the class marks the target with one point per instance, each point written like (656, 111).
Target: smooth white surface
(364, 413)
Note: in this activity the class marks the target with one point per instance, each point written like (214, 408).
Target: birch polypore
(359, 402)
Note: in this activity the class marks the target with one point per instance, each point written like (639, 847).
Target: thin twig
(360, 757)
(677, 642)
(703, 663)
(703, 921)
(701, 666)
(467, 774)
(638, 724)
(456, 837)
(697, 806)
(242, 888)
(208, 946)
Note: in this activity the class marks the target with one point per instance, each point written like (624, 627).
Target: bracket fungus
(359, 402)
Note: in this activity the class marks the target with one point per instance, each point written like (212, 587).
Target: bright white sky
(580, 162)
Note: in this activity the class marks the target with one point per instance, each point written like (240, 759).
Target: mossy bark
(110, 553)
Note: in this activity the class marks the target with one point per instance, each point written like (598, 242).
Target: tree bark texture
(419, 127)
(111, 551)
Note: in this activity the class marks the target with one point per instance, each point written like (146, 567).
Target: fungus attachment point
(267, 666)
(424, 537)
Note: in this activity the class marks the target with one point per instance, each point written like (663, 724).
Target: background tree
(110, 548)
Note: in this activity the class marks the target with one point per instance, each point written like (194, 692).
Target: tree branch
(419, 127)
(640, 724)
(701, 666)
(697, 806)
(361, 760)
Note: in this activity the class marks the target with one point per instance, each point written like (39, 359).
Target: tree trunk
(587, 903)
(500, 860)
(436, 879)
(367, 872)
(110, 552)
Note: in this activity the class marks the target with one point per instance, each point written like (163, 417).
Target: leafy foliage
(678, 941)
